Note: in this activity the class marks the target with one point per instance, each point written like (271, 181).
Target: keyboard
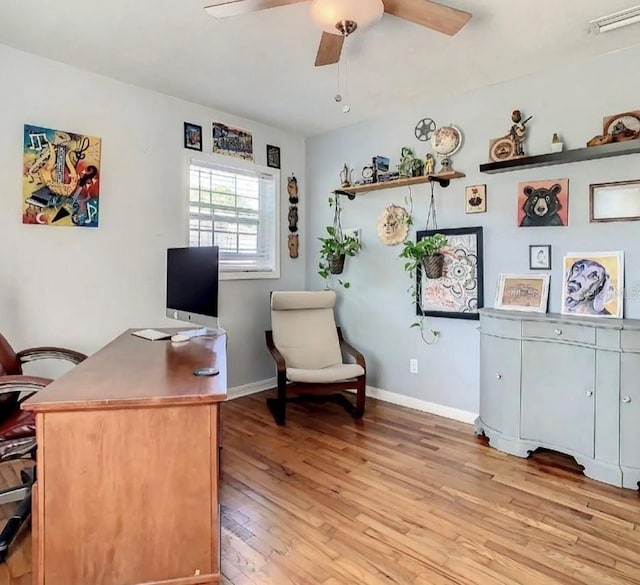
(151, 334)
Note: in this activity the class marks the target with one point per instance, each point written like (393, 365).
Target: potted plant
(335, 248)
(426, 253)
(410, 165)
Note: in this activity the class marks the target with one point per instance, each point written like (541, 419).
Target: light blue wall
(376, 311)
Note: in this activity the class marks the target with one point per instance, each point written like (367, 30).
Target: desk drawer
(560, 331)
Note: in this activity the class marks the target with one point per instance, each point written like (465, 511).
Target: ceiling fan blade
(430, 14)
(329, 50)
(225, 8)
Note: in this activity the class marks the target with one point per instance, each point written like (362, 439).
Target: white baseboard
(422, 405)
(252, 388)
(384, 395)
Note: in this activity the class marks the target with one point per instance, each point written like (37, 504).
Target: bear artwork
(543, 203)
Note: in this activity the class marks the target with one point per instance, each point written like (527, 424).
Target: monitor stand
(202, 332)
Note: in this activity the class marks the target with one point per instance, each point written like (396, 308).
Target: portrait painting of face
(593, 284)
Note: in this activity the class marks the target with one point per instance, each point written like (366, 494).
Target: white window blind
(235, 209)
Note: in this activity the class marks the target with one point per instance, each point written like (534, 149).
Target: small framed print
(192, 136)
(273, 156)
(523, 292)
(540, 257)
(475, 198)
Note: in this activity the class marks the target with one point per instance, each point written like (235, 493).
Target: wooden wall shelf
(442, 178)
(564, 157)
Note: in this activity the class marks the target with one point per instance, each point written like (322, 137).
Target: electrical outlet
(413, 365)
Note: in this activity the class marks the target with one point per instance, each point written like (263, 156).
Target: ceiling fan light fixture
(329, 14)
(616, 20)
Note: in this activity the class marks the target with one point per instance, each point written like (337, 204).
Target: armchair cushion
(19, 425)
(304, 329)
(337, 373)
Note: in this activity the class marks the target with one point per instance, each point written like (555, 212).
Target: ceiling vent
(616, 20)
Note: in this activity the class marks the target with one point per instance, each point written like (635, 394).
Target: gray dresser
(565, 383)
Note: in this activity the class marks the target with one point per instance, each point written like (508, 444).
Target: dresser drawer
(500, 327)
(630, 340)
(560, 331)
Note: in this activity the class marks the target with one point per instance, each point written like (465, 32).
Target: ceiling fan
(345, 16)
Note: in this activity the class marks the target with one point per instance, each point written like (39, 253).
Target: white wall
(82, 287)
(376, 311)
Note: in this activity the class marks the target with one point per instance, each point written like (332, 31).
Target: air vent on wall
(616, 20)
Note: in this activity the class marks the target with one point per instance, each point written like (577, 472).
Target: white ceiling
(260, 65)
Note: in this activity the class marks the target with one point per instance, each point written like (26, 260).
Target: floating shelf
(442, 178)
(564, 157)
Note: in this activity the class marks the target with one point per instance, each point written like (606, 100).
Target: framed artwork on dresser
(593, 284)
(523, 292)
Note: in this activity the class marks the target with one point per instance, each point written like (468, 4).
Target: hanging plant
(336, 246)
(426, 255)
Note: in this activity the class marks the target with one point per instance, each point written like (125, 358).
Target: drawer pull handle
(498, 376)
(558, 331)
(589, 392)
(626, 399)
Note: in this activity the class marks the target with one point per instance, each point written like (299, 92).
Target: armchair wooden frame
(316, 392)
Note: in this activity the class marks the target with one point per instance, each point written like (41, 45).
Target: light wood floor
(402, 498)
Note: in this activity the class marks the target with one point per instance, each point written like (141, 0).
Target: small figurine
(293, 245)
(292, 189)
(429, 164)
(293, 218)
(345, 176)
(518, 131)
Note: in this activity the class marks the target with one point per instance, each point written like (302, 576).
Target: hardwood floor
(405, 498)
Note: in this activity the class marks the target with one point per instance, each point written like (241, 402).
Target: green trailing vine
(336, 246)
(414, 254)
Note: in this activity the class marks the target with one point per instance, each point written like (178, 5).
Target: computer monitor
(192, 285)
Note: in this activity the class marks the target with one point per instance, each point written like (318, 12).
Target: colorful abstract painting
(60, 178)
(459, 293)
(231, 141)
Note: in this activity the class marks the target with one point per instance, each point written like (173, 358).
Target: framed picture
(523, 292)
(540, 257)
(231, 141)
(543, 203)
(459, 293)
(61, 173)
(614, 201)
(192, 136)
(475, 198)
(593, 284)
(273, 156)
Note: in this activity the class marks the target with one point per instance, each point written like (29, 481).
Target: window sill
(248, 275)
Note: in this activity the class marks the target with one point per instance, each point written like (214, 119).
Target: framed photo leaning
(593, 284)
(523, 292)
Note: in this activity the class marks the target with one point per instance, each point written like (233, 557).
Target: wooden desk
(127, 489)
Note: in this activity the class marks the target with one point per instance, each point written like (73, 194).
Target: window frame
(240, 165)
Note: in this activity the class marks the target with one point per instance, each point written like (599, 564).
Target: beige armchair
(308, 350)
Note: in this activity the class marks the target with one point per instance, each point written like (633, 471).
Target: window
(235, 209)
